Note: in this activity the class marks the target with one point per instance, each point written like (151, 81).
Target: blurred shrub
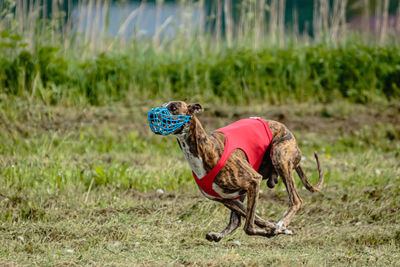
(236, 75)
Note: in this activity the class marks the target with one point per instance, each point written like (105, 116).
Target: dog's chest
(195, 163)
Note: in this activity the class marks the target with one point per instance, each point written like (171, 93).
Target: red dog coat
(253, 136)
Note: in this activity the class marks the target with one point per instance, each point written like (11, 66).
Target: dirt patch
(39, 119)
(326, 119)
(318, 118)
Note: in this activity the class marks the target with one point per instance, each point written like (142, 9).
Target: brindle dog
(203, 151)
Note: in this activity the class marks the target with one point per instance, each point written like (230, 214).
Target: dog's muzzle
(162, 122)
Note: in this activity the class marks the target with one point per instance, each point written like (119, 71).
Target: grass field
(78, 186)
(83, 181)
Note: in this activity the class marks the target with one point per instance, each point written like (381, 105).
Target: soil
(317, 118)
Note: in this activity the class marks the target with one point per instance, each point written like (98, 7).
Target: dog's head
(174, 117)
(181, 108)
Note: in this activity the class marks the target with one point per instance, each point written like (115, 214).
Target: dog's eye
(173, 108)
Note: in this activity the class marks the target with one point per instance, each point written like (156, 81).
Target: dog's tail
(305, 181)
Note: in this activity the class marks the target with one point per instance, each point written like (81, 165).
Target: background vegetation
(84, 182)
(254, 60)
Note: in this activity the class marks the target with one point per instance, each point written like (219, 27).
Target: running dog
(230, 163)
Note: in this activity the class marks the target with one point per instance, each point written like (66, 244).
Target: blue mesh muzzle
(161, 121)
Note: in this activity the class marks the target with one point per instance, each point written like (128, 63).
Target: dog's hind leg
(234, 223)
(286, 155)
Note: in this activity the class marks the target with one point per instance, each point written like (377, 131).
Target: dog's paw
(280, 230)
(283, 231)
(213, 236)
(287, 232)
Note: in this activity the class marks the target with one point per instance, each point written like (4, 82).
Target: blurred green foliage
(235, 75)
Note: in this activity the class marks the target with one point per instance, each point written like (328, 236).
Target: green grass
(78, 186)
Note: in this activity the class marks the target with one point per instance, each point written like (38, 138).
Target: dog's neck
(198, 147)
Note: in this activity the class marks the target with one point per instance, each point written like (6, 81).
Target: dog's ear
(194, 108)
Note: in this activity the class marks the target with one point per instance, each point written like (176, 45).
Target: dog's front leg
(253, 188)
(239, 208)
(234, 223)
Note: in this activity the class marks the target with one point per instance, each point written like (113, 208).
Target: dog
(238, 177)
